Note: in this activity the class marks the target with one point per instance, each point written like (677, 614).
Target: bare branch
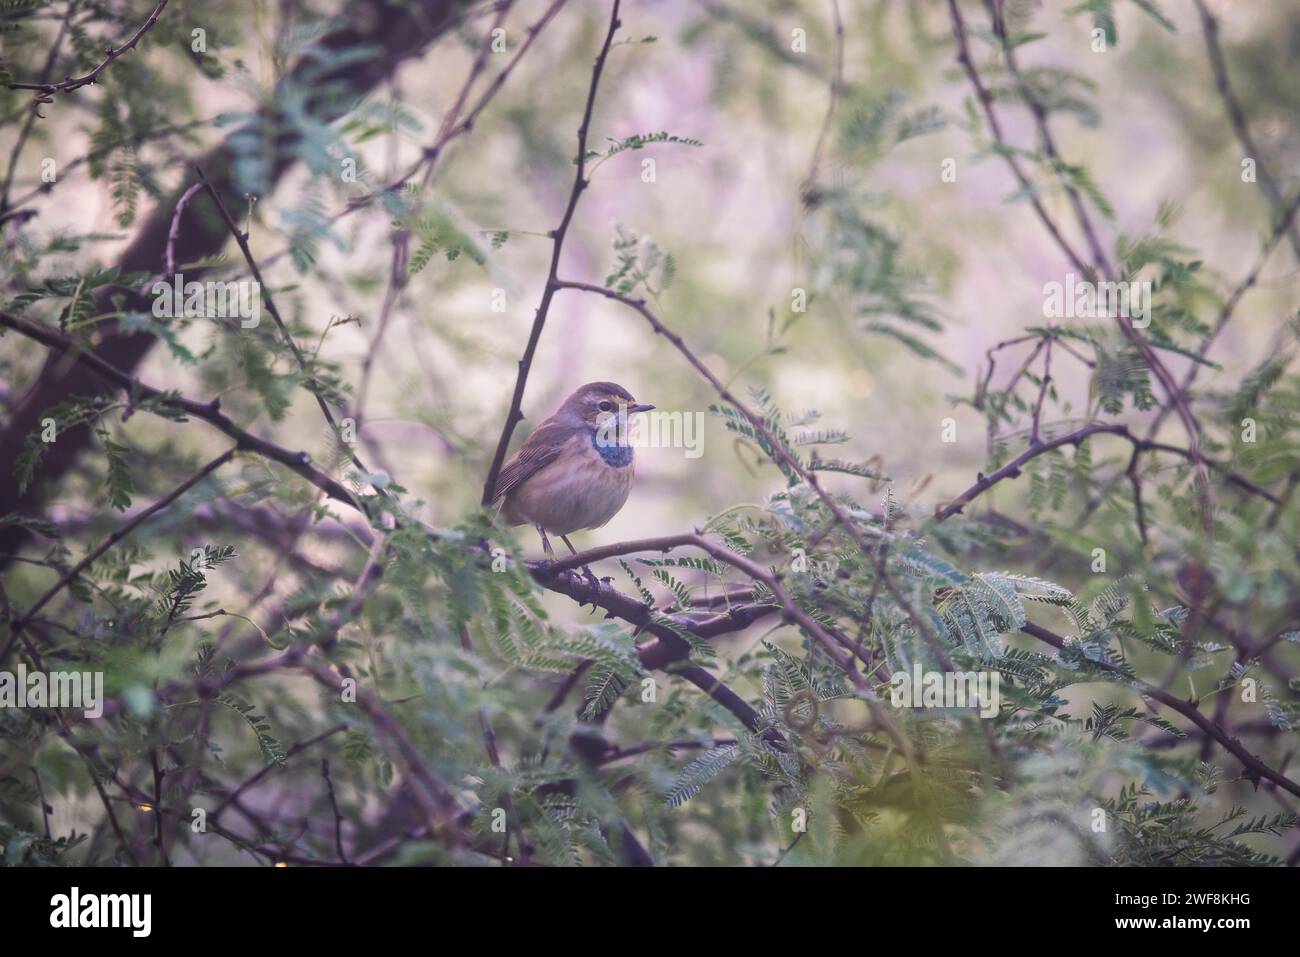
(71, 83)
(1240, 126)
(334, 804)
(580, 183)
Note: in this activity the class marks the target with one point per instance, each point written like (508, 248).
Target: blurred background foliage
(908, 280)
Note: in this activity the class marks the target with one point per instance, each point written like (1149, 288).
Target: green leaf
(604, 684)
(120, 485)
(272, 750)
(699, 773)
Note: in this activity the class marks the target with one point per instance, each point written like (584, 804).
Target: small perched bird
(575, 471)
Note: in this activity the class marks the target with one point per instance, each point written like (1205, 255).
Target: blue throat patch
(615, 456)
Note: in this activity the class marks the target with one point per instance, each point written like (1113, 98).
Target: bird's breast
(580, 489)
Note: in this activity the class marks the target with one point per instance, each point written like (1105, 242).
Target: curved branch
(790, 609)
(1255, 767)
(77, 82)
(1012, 468)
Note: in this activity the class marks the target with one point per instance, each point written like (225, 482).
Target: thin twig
(174, 231)
(253, 781)
(241, 238)
(71, 83)
(1042, 391)
(338, 816)
(1237, 116)
(836, 92)
(1048, 142)
(985, 99)
(1226, 311)
(580, 183)
(429, 158)
(396, 283)
(33, 110)
(159, 837)
(40, 796)
(1012, 468)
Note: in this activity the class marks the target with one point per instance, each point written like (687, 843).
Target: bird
(575, 470)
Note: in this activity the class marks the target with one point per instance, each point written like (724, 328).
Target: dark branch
(1189, 710)
(580, 182)
(112, 53)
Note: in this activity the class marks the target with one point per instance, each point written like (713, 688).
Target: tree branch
(1012, 468)
(1255, 767)
(71, 83)
(580, 183)
(1101, 265)
(398, 35)
(33, 111)
(1240, 126)
(313, 386)
(209, 412)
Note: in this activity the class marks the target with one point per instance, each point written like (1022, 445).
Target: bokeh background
(747, 217)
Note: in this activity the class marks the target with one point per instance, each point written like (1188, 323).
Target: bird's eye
(605, 405)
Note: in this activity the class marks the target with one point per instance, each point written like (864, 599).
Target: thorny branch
(68, 84)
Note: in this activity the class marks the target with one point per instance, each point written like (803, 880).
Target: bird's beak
(639, 407)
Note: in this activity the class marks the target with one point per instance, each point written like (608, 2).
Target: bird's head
(600, 405)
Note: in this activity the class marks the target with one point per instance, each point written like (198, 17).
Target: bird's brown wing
(538, 451)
